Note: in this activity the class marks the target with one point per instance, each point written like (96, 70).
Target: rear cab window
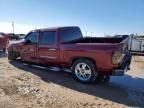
(70, 34)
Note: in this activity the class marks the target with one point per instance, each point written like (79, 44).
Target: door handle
(51, 49)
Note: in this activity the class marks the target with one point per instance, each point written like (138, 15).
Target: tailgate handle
(52, 49)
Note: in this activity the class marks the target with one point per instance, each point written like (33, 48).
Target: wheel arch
(78, 58)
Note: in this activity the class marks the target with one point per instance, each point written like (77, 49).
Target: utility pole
(13, 26)
(85, 33)
(91, 34)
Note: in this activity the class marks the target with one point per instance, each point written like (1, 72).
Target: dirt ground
(24, 86)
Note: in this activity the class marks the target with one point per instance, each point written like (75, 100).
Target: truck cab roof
(56, 28)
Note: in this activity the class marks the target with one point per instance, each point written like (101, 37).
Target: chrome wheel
(83, 71)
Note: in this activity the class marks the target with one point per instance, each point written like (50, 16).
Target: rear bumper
(124, 67)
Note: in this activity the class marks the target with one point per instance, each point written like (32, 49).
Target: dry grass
(139, 60)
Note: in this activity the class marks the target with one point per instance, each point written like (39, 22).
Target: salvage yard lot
(24, 86)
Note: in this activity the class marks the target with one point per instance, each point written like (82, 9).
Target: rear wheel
(84, 70)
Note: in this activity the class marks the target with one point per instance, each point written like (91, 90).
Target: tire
(84, 70)
(11, 56)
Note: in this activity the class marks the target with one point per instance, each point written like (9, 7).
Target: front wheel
(84, 70)
(11, 56)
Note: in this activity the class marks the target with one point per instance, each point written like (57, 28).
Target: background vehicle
(3, 41)
(13, 36)
(21, 36)
(65, 47)
(136, 44)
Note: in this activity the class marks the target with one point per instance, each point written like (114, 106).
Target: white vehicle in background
(21, 36)
(136, 43)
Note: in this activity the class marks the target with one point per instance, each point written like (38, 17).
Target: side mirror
(27, 41)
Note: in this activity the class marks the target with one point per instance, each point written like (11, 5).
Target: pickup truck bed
(98, 40)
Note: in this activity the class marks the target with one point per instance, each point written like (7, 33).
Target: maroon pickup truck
(65, 47)
(3, 41)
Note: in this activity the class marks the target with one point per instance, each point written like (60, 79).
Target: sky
(94, 17)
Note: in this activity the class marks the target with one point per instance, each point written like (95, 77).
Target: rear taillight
(117, 57)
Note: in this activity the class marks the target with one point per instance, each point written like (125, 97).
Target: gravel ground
(24, 86)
